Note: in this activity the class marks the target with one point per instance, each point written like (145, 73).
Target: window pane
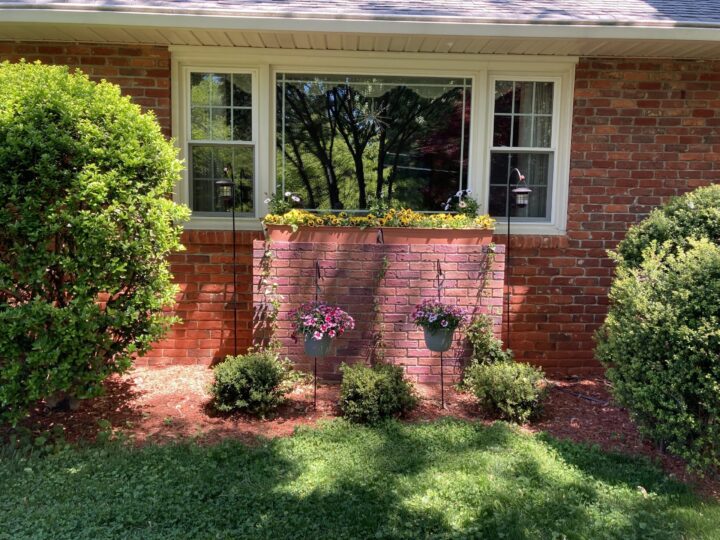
(524, 97)
(220, 124)
(537, 170)
(208, 164)
(501, 131)
(543, 98)
(523, 114)
(343, 140)
(200, 124)
(503, 96)
(542, 132)
(221, 106)
(242, 124)
(242, 90)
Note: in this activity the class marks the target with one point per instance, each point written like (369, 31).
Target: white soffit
(438, 37)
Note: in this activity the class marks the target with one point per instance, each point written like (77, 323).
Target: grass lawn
(446, 479)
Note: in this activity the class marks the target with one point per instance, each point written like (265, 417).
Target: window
(221, 139)
(522, 138)
(341, 128)
(344, 140)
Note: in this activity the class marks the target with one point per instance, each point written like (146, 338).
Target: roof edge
(445, 26)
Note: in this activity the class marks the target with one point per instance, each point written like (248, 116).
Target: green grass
(447, 479)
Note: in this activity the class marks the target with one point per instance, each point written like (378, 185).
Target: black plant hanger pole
(440, 277)
(522, 198)
(318, 277)
(227, 191)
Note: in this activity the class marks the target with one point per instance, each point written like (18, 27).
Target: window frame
(480, 70)
(470, 77)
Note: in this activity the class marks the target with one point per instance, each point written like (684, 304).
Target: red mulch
(173, 403)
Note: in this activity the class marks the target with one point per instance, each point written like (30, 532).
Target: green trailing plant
(86, 223)
(377, 350)
(372, 394)
(266, 314)
(661, 345)
(255, 383)
(486, 348)
(514, 391)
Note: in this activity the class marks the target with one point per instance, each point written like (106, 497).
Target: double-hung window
(221, 142)
(522, 143)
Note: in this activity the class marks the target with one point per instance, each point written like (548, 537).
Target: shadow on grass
(446, 479)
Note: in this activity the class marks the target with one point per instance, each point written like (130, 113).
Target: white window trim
(481, 70)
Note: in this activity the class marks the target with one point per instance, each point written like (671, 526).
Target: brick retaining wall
(379, 285)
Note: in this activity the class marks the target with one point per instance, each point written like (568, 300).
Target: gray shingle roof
(682, 13)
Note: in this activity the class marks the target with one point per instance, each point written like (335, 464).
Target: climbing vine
(377, 350)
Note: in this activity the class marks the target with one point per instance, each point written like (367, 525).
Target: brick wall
(643, 131)
(142, 71)
(380, 296)
(205, 302)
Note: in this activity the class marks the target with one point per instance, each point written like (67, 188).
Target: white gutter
(560, 30)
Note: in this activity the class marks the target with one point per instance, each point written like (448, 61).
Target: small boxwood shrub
(255, 383)
(371, 394)
(661, 344)
(514, 391)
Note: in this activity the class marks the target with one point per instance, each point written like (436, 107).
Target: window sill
(223, 223)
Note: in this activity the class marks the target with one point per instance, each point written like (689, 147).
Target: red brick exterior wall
(643, 130)
(142, 71)
(379, 285)
(205, 302)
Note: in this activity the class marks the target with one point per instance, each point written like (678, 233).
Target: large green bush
(255, 383)
(371, 394)
(694, 215)
(661, 343)
(86, 223)
(514, 391)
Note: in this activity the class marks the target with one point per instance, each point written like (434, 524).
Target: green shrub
(86, 223)
(370, 394)
(694, 215)
(513, 390)
(661, 344)
(256, 383)
(486, 348)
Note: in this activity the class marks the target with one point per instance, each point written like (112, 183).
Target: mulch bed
(163, 404)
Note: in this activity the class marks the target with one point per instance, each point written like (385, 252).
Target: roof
(668, 13)
(618, 28)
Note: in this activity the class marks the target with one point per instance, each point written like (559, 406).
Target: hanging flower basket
(319, 324)
(438, 340)
(438, 322)
(317, 347)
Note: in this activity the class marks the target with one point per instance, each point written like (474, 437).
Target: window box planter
(370, 235)
(411, 235)
(321, 234)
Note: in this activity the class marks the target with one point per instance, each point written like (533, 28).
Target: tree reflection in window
(344, 140)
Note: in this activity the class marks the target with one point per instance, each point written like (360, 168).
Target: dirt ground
(170, 403)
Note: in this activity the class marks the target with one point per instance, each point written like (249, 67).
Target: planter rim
(375, 228)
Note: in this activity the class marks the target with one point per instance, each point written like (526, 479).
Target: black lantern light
(521, 193)
(225, 191)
